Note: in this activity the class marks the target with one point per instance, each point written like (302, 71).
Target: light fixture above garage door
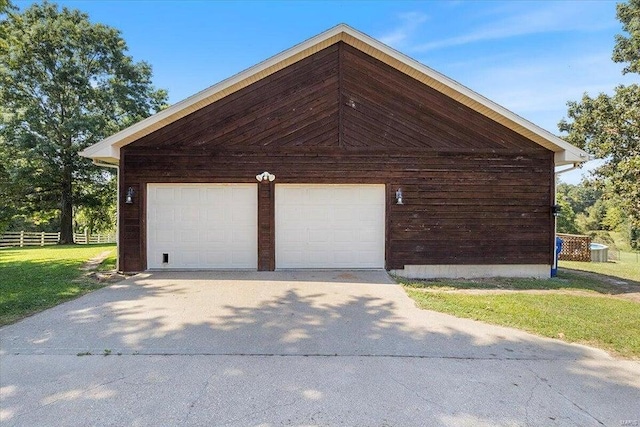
(265, 177)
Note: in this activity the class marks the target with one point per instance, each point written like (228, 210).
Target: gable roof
(108, 150)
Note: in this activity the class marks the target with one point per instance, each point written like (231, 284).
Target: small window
(165, 258)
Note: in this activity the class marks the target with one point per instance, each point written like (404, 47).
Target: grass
(572, 307)
(109, 263)
(627, 267)
(33, 279)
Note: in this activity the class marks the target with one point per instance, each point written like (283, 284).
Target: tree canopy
(65, 83)
(627, 49)
(608, 126)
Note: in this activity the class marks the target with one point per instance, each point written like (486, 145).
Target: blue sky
(530, 57)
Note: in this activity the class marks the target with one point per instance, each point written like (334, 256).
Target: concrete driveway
(294, 348)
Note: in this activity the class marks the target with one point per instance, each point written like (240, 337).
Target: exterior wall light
(399, 197)
(265, 177)
(129, 197)
(555, 210)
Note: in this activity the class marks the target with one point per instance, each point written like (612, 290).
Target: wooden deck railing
(575, 248)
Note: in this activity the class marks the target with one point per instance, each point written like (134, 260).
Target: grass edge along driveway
(33, 279)
(572, 307)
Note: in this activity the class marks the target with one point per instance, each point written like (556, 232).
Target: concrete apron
(354, 313)
(286, 348)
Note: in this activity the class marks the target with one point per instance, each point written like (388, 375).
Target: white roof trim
(108, 150)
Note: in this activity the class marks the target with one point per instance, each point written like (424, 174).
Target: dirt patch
(94, 262)
(607, 286)
(621, 288)
(90, 268)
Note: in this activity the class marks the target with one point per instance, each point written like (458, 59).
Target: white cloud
(539, 88)
(410, 22)
(546, 17)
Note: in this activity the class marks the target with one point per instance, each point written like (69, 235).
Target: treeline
(589, 210)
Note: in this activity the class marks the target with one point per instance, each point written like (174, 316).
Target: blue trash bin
(554, 267)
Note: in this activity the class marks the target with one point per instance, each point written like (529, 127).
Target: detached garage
(337, 153)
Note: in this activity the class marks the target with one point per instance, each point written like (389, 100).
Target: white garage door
(330, 226)
(195, 226)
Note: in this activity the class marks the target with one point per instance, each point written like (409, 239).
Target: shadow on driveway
(285, 347)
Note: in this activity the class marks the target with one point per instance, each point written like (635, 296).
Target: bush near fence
(575, 248)
(37, 238)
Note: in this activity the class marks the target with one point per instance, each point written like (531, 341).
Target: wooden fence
(92, 239)
(28, 238)
(575, 248)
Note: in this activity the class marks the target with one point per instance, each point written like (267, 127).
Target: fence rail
(575, 248)
(29, 238)
(90, 239)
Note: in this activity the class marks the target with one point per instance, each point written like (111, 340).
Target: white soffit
(108, 150)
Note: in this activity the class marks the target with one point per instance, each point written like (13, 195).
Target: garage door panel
(167, 215)
(163, 196)
(212, 234)
(370, 196)
(214, 195)
(164, 236)
(316, 195)
(190, 196)
(239, 239)
(346, 237)
(334, 226)
(292, 256)
(202, 225)
(318, 236)
(211, 217)
(241, 257)
(189, 215)
(214, 257)
(344, 213)
(316, 213)
(240, 215)
(367, 235)
(367, 214)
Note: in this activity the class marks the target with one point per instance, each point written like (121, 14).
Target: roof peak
(108, 150)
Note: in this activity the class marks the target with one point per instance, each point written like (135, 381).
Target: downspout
(117, 168)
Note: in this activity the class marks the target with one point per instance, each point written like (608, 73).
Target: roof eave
(571, 156)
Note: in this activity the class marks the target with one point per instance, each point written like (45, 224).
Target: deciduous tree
(65, 83)
(609, 126)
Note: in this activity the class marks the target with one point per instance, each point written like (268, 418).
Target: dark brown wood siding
(475, 192)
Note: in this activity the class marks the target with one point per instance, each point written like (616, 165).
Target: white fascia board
(104, 153)
(571, 156)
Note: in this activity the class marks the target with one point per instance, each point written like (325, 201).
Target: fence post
(42, 239)
(58, 238)
(21, 238)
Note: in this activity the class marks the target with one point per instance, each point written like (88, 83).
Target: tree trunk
(66, 209)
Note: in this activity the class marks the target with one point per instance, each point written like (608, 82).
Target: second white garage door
(330, 226)
(202, 226)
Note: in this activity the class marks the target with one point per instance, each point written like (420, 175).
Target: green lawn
(572, 307)
(109, 263)
(33, 279)
(627, 267)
